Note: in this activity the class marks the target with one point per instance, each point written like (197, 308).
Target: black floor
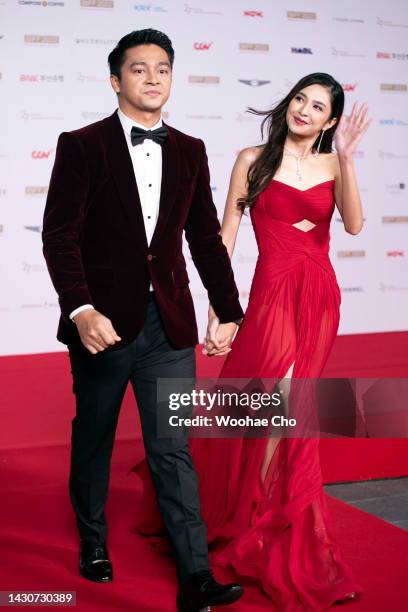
(387, 499)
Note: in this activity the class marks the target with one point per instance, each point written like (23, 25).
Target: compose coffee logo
(40, 39)
(253, 82)
(41, 154)
(33, 190)
(395, 219)
(397, 87)
(395, 254)
(103, 4)
(253, 14)
(196, 79)
(248, 47)
(301, 16)
(202, 46)
(351, 254)
(303, 50)
(41, 3)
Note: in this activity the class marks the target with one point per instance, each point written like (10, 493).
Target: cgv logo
(201, 46)
(41, 154)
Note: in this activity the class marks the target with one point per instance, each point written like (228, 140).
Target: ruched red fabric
(276, 529)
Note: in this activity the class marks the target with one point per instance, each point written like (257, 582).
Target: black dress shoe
(94, 562)
(201, 590)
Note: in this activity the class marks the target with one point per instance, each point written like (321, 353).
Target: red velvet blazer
(94, 240)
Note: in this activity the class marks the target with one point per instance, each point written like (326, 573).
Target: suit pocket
(179, 277)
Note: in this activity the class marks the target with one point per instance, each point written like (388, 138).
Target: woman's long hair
(263, 169)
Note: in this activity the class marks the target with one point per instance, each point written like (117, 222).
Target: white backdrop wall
(229, 55)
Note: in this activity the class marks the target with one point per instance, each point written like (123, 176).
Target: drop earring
(318, 146)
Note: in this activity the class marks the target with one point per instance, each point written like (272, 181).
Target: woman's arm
(232, 214)
(347, 195)
(346, 192)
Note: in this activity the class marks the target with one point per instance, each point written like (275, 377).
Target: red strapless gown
(277, 529)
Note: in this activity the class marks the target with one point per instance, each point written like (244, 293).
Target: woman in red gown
(262, 498)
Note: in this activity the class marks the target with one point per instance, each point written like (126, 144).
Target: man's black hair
(148, 36)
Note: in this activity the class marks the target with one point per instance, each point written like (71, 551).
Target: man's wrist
(75, 312)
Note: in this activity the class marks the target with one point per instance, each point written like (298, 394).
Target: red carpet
(38, 542)
(37, 531)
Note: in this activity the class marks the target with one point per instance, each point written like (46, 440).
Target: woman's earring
(320, 142)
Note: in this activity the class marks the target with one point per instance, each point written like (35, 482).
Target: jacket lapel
(123, 174)
(122, 170)
(169, 182)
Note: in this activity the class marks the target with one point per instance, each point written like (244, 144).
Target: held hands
(350, 130)
(219, 336)
(96, 331)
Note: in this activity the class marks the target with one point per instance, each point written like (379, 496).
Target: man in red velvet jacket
(122, 192)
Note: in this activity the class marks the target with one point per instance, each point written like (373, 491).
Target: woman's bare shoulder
(248, 155)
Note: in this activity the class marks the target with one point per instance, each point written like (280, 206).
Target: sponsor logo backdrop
(229, 55)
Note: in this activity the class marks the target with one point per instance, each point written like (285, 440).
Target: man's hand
(96, 330)
(219, 336)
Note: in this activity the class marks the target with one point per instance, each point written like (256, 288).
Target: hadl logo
(304, 50)
(253, 82)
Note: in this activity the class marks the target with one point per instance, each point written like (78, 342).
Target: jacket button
(149, 257)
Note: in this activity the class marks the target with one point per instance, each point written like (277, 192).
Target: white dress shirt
(147, 165)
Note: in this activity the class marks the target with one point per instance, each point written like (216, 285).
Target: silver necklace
(298, 159)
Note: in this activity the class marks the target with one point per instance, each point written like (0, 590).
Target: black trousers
(100, 383)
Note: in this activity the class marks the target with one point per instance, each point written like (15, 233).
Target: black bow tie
(137, 135)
